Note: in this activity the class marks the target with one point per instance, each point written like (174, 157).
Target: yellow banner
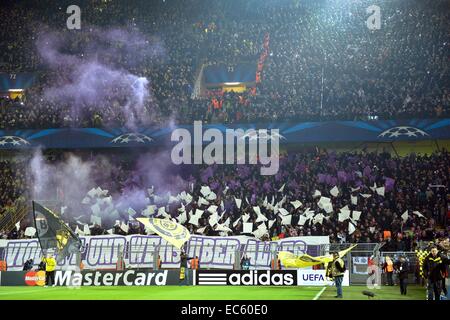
(290, 260)
(170, 231)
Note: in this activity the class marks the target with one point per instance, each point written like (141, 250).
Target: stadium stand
(314, 61)
(303, 172)
(319, 66)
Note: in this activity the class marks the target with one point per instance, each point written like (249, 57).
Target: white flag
(405, 216)
(212, 196)
(323, 201)
(194, 218)
(334, 192)
(238, 202)
(297, 204)
(79, 232)
(343, 215)
(87, 231)
(328, 207)
(271, 222)
(30, 231)
(205, 191)
(182, 217)
(202, 201)
(380, 191)
(286, 220)
(417, 213)
(223, 227)
(245, 217)
(201, 230)
(302, 220)
(162, 212)
(131, 211)
(212, 209)
(259, 233)
(213, 220)
(188, 198)
(351, 228)
(356, 215)
(149, 210)
(248, 227)
(318, 218)
(257, 210)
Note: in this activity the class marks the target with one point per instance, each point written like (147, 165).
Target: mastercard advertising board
(35, 278)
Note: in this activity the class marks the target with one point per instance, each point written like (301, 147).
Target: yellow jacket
(336, 270)
(50, 264)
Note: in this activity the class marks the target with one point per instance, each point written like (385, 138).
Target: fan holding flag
(175, 234)
(54, 234)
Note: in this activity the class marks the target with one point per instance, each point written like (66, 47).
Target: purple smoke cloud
(94, 74)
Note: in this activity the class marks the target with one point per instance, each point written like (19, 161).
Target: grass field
(203, 293)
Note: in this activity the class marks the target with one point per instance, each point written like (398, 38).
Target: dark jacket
(41, 266)
(402, 268)
(28, 265)
(434, 268)
(184, 260)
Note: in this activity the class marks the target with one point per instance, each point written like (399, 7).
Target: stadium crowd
(420, 183)
(323, 63)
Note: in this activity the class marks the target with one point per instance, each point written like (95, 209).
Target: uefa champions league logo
(132, 138)
(403, 131)
(13, 141)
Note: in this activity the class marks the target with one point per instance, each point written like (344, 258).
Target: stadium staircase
(196, 93)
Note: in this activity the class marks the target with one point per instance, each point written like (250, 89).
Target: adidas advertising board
(246, 278)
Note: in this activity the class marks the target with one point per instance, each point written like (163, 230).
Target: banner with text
(138, 251)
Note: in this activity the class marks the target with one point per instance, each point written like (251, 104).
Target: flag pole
(35, 225)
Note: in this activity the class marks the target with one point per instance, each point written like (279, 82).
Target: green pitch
(203, 293)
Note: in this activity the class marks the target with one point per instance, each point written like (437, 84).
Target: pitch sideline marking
(27, 291)
(319, 293)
